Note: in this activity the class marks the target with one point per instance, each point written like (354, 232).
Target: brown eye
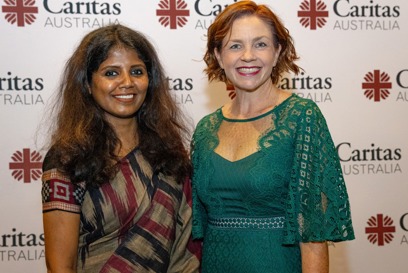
(137, 71)
(110, 73)
(261, 44)
(235, 46)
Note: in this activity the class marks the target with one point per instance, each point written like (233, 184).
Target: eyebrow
(254, 39)
(141, 64)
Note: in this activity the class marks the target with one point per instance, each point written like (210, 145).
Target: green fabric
(295, 173)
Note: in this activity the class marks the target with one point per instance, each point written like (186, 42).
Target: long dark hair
(222, 25)
(83, 142)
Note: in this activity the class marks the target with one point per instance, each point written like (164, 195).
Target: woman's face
(248, 54)
(120, 84)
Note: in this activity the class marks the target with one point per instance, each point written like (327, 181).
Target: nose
(248, 55)
(126, 81)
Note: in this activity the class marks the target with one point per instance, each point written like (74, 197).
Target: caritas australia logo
(19, 12)
(21, 247)
(313, 14)
(370, 159)
(351, 15)
(173, 13)
(26, 165)
(382, 230)
(61, 14)
(377, 85)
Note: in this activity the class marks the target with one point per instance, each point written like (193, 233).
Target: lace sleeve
(318, 206)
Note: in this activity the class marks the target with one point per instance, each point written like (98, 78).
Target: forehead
(249, 26)
(122, 54)
(121, 57)
(120, 50)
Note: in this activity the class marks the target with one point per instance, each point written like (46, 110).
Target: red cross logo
(377, 85)
(20, 12)
(26, 165)
(313, 14)
(380, 229)
(173, 13)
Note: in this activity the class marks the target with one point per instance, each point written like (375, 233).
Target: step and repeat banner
(355, 59)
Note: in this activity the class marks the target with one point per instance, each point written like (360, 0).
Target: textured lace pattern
(297, 150)
(248, 223)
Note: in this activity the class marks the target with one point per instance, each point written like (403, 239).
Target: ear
(88, 87)
(277, 53)
(218, 56)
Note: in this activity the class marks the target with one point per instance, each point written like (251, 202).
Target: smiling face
(248, 54)
(120, 84)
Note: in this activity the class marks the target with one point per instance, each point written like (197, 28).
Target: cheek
(99, 93)
(142, 85)
(103, 87)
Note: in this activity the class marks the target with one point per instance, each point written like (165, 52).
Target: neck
(251, 104)
(126, 131)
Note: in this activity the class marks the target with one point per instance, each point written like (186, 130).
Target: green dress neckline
(259, 116)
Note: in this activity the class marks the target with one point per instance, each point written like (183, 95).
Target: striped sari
(139, 222)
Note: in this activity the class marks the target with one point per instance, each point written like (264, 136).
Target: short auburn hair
(222, 25)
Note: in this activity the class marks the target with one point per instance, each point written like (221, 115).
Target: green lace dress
(253, 212)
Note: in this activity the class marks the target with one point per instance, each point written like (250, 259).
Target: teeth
(248, 69)
(124, 96)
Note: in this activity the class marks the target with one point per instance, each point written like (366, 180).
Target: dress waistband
(243, 222)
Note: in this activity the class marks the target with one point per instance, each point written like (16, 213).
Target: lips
(248, 70)
(127, 96)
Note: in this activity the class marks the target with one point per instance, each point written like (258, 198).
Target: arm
(61, 233)
(315, 257)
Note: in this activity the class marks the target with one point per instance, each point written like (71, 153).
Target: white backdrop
(353, 51)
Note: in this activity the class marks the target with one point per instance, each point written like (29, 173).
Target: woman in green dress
(268, 191)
